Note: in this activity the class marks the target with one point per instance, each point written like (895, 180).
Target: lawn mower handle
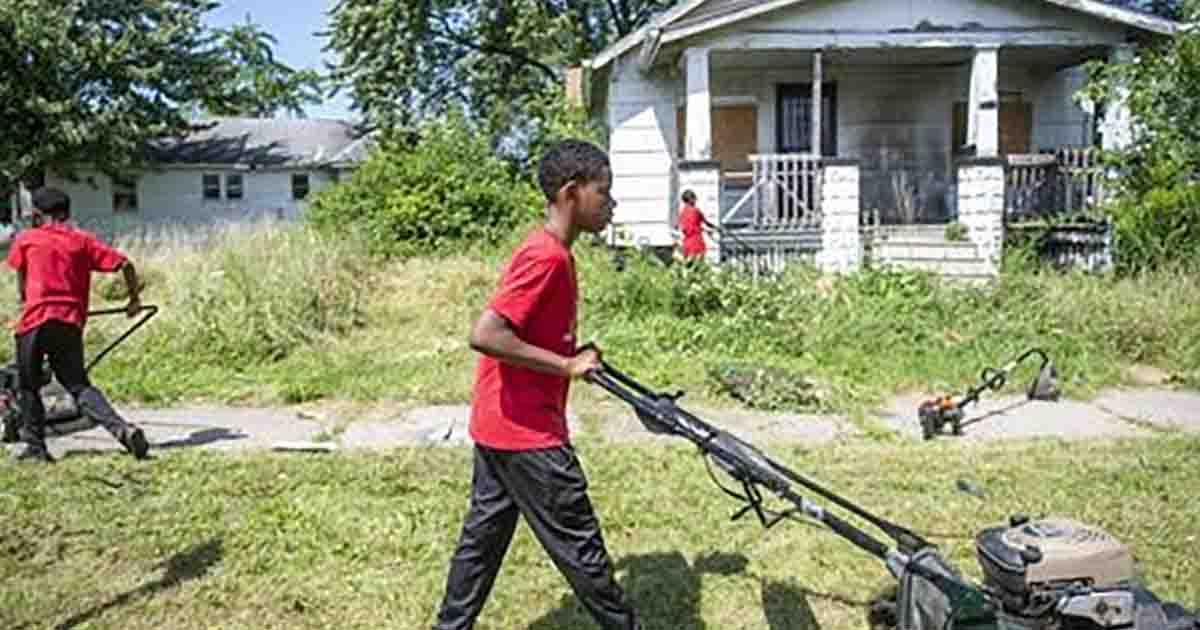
(750, 466)
(147, 311)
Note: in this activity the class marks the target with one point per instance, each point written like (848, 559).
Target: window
(793, 114)
(212, 186)
(233, 186)
(299, 186)
(124, 194)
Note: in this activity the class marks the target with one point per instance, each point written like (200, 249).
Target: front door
(793, 116)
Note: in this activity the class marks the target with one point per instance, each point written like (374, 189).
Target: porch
(884, 136)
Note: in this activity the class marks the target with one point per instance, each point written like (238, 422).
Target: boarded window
(793, 116)
(124, 194)
(211, 184)
(1016, 126)
(233, 186)
(299, 186)
(734, 135)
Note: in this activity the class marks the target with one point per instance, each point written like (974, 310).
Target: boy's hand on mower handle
(584, 362)
(134, 306)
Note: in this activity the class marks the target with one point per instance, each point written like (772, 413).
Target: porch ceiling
(1046, 57)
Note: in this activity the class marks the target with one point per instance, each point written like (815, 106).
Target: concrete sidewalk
(1115, 413)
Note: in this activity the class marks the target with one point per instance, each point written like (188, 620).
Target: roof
(690, 15)
(273, 142)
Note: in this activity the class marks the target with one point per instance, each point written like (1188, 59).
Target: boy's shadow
(665, 590)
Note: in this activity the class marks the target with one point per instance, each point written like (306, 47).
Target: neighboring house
(236, 168)
(927, 109)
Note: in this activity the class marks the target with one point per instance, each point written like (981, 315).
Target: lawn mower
(62, 415)
(935, 413)
(1045, 574)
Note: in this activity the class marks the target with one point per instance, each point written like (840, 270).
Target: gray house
(795, 121)
(234, 168)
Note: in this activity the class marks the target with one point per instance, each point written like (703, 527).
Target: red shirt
(58, 261)
(515, 408)
(691, 223)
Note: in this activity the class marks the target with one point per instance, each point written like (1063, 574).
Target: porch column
(698, 145)
(1117, 128)
(983, 117)
(815, 143)
(981, 206)
(841, 238)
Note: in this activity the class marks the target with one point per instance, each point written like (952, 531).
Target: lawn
(198, 539)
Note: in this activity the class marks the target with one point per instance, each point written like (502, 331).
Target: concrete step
(936, 250)
(911, 232)
(970, 267)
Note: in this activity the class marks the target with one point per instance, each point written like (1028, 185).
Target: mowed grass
(204, 540)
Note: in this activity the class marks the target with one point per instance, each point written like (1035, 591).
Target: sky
(294, 23)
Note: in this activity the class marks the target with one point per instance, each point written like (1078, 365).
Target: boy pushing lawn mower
(524, 462)
(54, 262)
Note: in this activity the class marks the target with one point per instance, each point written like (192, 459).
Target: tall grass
(270, 312)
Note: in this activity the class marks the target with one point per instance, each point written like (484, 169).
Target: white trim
(621, 46)
(1136, 19)
(727, 101)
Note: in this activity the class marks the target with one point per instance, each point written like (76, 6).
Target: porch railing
(784, 194)
(1045, 184)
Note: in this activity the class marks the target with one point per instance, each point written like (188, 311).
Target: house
(798, 121)
(231, 169)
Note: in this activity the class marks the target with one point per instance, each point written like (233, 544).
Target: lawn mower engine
(1059, 574)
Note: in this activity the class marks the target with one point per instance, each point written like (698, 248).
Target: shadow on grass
(191, 564)
(666, 591)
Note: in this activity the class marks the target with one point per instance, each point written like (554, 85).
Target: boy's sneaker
(135, 442)
(33, 453)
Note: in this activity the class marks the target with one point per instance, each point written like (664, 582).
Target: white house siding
(176, 196)
(889, 116)
(641, 123)
(1058, 120)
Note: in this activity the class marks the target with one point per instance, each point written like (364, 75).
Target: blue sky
(294, 24)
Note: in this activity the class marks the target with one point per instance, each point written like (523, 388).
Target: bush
(1160, 227)
(438, 191)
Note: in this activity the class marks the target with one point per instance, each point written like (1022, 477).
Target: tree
(91, 81)
(1157, 212)
(405, 59)
(261, 85)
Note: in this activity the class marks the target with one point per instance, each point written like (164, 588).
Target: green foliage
(443, 189)
(1155, 212)
(404, 61)
(1158, 228)
(93, 80)
(260, 86)
(956, 232)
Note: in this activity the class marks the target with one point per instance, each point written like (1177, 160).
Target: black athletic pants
(62, 343)
(549, 488)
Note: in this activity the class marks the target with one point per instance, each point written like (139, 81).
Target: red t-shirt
(58, 261)
(691, 223)
(515, 408)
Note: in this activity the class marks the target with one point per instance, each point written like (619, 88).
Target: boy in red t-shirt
(691, 223)
(54, 263)
(524, 463)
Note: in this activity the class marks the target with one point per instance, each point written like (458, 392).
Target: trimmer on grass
(1049, 574)
(60, 419)
(935, 413)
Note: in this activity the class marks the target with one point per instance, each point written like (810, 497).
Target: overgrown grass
(275, 314)
(203, 540)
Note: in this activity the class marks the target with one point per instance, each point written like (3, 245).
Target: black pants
(548, 487)
(62, 343)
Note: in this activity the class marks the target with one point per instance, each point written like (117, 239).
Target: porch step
(958, 269)
(925, 249)
(951, 259)
(911, 232)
